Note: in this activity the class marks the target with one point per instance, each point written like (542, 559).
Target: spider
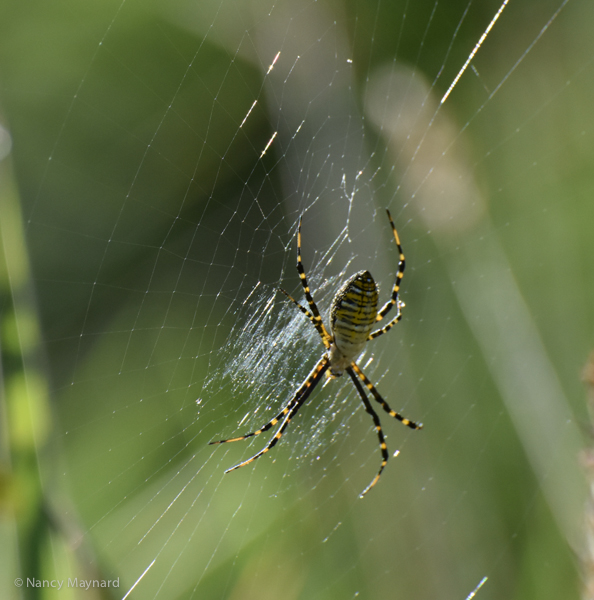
(353, 313)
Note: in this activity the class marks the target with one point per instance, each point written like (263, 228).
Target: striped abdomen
(353, 314)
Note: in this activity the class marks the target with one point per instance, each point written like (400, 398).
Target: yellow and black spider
(352, 316)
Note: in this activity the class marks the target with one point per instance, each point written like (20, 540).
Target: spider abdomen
(353, 314)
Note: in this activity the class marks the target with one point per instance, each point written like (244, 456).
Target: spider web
(165, 153)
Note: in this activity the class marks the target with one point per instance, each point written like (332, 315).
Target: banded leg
(326, 339)
(379, 399)
(290, 411)
(261, 430)
(318, 323)
(389, 325)
(378, 428)
(399, 275)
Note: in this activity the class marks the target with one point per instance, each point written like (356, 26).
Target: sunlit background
(155, 159)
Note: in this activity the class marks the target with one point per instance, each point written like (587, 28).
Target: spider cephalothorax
(353, 314)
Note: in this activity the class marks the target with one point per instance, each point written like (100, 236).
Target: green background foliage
(136, 218)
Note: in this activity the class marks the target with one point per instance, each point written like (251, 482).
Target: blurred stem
(26, 416)
(587, 458)
(510, 340)
(25, 409)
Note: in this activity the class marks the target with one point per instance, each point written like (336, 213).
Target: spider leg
(389, 325)
(262, 429)
(378, 428)
(317, 319)
(399, 275)
(379, 399)
(290, 411)
(317, 324)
